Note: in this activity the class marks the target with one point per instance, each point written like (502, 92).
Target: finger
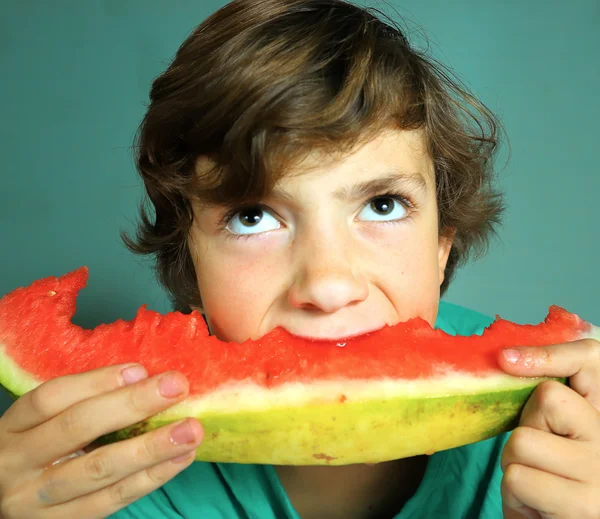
(547, 452)
(113, 498)
(558, 409)
(578, 360)
(56, 395)
(112, 463)
(85, 421)
(550, 495)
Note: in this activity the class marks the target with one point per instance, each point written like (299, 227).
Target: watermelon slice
(401, 391)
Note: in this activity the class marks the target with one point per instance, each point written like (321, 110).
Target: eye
(383, 208)
(252, 220)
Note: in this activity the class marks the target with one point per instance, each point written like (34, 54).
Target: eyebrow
(394, 180)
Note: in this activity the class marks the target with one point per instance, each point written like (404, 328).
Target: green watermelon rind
(339, 433)
(15, 380)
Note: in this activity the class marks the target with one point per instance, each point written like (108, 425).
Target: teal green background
(75, 79)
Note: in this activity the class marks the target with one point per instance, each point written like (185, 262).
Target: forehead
(386, 154)
(391, 153)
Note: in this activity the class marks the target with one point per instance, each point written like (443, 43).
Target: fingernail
(171, 386)
(134, 374)
(183, 433)
(511, 355)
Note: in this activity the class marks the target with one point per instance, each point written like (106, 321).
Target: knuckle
(547, 392)
(145, 450)
(519, 441)
(511, 478)
(157, 475)
(136, 401)
(40, 397)
(123, 493)
(97, 466)
(111, 378)
(593, 348)
(71, 423)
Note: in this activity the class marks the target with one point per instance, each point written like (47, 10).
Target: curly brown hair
(259, 85)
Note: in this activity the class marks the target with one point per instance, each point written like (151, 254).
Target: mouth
(337, 336)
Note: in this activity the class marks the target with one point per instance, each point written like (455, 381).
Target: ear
(445, 241)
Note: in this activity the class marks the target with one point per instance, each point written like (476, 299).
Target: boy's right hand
(66, 414)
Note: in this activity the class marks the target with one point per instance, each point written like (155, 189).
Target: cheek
(412, 251)
(418, 291)
(238, 288)
(408, 273)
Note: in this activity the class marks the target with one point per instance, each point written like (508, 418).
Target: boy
(309, 170)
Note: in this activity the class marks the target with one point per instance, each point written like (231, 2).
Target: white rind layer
(249, 396)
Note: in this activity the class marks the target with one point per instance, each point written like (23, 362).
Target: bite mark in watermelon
(402, 391)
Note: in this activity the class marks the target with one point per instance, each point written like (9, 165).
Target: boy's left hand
(551, 462)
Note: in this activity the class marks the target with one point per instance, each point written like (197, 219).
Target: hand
(63, 416)
(551, 462)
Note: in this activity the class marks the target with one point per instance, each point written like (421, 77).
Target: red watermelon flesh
(401, 391)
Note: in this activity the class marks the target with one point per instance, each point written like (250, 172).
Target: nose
(325, 279)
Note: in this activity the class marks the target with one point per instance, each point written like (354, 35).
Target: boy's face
(332, 253)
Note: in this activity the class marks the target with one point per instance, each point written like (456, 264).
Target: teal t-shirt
(460, 483)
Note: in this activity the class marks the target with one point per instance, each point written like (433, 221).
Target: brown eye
(385, 209)
(250, 217)
(253, 220)
(383, 205)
